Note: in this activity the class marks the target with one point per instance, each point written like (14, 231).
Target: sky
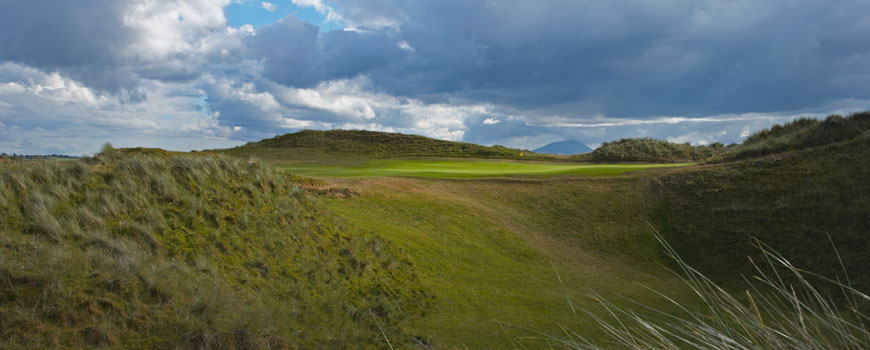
(203, 74)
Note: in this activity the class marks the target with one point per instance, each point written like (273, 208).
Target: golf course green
(462, 168)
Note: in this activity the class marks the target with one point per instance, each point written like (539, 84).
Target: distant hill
(567, 147)
(315, 144)
(656, 151)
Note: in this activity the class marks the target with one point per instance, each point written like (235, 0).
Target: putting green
(463, 168)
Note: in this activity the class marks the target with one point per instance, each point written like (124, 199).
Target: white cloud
(52, 113)
(352, 104)
(268, 6)
(405, 46)
(491, 121)
(176, 26)
(321, 8)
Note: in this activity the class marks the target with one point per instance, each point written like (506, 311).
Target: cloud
(36, 106)
(508, 72)
(321, 8)
(405, 46)
(344, 103)
(268, 6)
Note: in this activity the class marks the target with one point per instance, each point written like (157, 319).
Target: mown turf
(486, 250)
(462, 168)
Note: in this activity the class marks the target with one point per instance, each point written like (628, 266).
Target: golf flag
(521, 154)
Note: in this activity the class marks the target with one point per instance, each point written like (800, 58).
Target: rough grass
(791, 201)
(782, 308)
(462, 169)
(315, 145)
(189, 252)
(655, 151)
(798, 135)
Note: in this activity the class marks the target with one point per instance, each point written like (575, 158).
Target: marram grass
(782, 308)
(189, 252)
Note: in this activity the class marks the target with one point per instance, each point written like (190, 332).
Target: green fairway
(463, 168)
(487, 251)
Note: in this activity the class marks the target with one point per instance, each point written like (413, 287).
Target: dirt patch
(335, 192)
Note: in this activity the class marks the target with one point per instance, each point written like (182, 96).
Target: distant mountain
(567, 147)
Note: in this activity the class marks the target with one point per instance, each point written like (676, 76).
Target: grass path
(462, 168)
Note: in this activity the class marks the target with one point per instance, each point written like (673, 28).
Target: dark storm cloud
(630, 58)
(295, 53)
(512, 72)
(78, 37)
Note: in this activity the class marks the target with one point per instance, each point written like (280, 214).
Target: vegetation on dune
(145, 248)
(189, 252)
(373, 144)
(797, 135)
(655, 151)
(791, 201)
(782, 308)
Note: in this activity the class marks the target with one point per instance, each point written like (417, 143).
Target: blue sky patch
(254, 13)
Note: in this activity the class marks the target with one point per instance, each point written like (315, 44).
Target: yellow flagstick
(524, 164)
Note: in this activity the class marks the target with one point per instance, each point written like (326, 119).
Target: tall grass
(133, 250)
(781, 308)
(797, 135)
(652, 150)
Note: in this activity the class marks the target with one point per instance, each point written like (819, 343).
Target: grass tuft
(781, 307)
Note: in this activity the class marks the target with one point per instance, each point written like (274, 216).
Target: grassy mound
(798, 135)
(313, 144)
(188, 252)
(791, 201)
(652, 150)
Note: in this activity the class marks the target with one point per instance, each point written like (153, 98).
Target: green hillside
(144, 248)
(792, 201)
(315, 145)
(798, 135)
(164, 252)
(655, 151)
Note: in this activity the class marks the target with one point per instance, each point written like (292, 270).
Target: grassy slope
(792, 201)
(484, 249)
(188, 252)
(315, 145)
(799, 134)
